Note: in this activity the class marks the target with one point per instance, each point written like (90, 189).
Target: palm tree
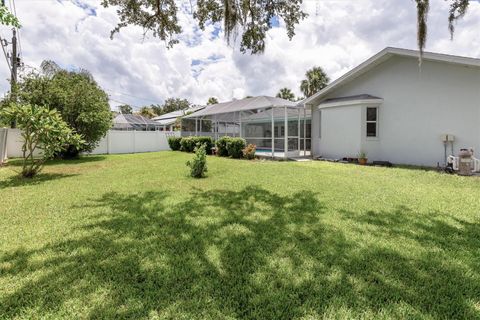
(212, 100)
(286, 94)
(316, 80)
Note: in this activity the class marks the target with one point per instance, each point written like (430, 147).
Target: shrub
(198, 165)
(175, 143)
(206, 141)
(188, 144)
(42, 130)
(221, 145)
(249, 151)
(235, 147)
(81, 102)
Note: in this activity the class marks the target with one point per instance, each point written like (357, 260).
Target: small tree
(81, 102)
(198, 165)
(43, 130)
(125, 109)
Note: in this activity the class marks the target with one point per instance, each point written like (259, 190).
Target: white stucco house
(396, 110)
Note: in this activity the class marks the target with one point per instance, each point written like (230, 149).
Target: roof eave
(351, 103)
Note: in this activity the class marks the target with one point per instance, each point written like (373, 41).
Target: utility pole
(13, 80)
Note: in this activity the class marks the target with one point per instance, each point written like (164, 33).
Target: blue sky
(337, 35)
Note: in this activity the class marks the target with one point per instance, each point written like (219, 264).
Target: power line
(130, 95)
(2, 41)
(123, 102)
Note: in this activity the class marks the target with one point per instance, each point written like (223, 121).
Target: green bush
(198, 165)
(206, 141)
(235, 147)
(81, 102)
(249, 151)
(175, 143)
(221, 145)
(188, 144)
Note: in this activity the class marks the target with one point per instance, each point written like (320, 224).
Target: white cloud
(337, 35)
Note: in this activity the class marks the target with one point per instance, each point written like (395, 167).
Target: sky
(337, 36)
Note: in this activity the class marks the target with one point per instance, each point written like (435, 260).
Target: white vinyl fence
(3, 144)
(113, 143)
(117, 141)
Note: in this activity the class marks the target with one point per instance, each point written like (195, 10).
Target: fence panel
(114, 142)
(117, 141)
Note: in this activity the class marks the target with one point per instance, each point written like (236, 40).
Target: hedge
(221, 145)
(174, 143)
(235, 147)
(188, 144)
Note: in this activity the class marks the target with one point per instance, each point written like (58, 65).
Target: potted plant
(362, 158)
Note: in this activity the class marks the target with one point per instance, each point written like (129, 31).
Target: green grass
(133, 236)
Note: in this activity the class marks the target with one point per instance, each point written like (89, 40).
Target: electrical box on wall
(448, 137)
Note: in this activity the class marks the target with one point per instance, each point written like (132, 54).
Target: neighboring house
(134, 122)
(396, 110)
(167, 120)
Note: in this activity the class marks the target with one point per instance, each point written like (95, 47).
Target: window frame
(319, 123)
(377, 112)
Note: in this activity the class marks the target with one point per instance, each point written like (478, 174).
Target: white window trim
(377, 136)
(319, 124)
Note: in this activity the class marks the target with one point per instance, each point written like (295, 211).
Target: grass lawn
(133, 236)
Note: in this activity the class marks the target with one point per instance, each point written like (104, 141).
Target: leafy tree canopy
(286, 93)
(147, 112)
(81, 102)
(7, 18)
(125, 109)
(212, 100)
(252, 19)
(170, 105)
(316, 80)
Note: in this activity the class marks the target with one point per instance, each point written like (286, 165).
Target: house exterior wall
(340, 131)
(419, 105)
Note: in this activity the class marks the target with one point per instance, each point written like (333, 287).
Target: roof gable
(383, 56)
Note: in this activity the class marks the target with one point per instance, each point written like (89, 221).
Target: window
(319, 123)
(372, 122)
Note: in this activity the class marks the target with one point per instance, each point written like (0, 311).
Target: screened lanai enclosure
(279, 128)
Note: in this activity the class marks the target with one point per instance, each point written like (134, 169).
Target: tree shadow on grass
(18, 162)
(19, 181)
(79, 160)
(248, 254)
